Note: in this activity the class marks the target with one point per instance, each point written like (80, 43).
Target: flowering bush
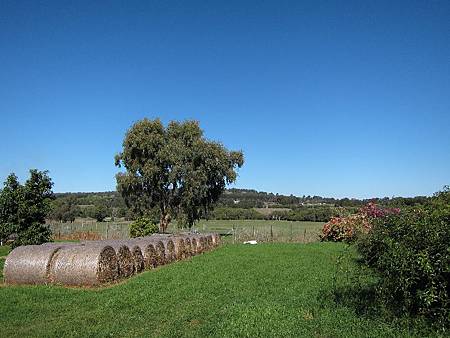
(348, 228)
(410, 251)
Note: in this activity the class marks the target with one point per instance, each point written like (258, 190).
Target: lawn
(236, 290)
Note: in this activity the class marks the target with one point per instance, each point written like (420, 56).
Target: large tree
(175, 169)
(23, 208)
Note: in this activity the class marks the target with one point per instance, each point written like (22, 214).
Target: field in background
(235, 230)
(237, 290)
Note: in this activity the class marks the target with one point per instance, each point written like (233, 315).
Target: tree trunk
(164, 222)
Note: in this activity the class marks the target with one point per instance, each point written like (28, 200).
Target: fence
(89, 230)
(235, 231)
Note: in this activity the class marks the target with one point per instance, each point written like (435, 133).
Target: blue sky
(331, 98)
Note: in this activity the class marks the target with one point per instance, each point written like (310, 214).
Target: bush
(410, 252)
(348, 228)
(143, 227)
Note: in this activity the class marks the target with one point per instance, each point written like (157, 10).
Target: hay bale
(170, 253)
(137, 254)
(194, 249)
(180, 251)
(129, 255)
(87, 265)
(196, 243)
(29, 264)
(209, 241)
(148, 251)
(159, 248)
(188, 246)
(125, 258)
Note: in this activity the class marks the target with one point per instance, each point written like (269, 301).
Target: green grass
(4, 250)
(237, 290)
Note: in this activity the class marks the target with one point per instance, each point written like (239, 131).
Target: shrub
(143, 227)
(348, 228)
(410, 252)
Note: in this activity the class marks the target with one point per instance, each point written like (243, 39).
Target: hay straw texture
(188, 246)
(29, 264)
(169, 246)
(148, 252)
(159, 248)
(138, 255)
(216, 239)
(194, 246)
(209, 239)
(125, 258)
(180, 252)
(87, 265)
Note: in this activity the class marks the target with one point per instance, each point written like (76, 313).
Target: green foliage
(235, 214)
(23, 208)
(143, 227)
(100, 212)
(410, 251)
(64, 209)
(175, 169)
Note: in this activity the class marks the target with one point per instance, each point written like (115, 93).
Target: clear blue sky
(344, 98)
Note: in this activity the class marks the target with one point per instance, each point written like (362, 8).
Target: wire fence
(233, 231)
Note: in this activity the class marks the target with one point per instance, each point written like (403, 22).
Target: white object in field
(251, 242)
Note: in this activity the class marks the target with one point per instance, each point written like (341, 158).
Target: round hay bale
(170, 253)
(195, 248)
(209, 241)
(148, 252)
(138, 256)
(188, 246)
(125, 259)
(29, 264)
(216, 239)
(87, 265)
(180, 251)
(159, 248)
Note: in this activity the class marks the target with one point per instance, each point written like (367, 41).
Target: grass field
(264, 290)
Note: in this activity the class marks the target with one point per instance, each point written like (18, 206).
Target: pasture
(238, 230)
(237, 290)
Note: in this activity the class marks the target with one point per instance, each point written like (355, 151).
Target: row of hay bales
(91, 263)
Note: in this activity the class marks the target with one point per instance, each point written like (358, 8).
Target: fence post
(271, 232)
(253, 231)
(234, 234)
(291, 232)
(304, 236)
(107, 230)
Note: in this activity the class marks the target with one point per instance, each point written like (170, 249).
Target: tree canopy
(23, 208)
(175, 169)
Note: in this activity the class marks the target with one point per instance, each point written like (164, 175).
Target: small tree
(100, 213)
(175, 169)
(23, 208)
(143, 227)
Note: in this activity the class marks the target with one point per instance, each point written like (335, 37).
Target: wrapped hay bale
(169, 246)
(88, 265)
(29, 264)
(216, 239)
(180, 251)
(129, 255)
(209, 241)
(125, 258)
(188, 246)
(137, 254)
(194, 245)
(148, 252)
(159, 248)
